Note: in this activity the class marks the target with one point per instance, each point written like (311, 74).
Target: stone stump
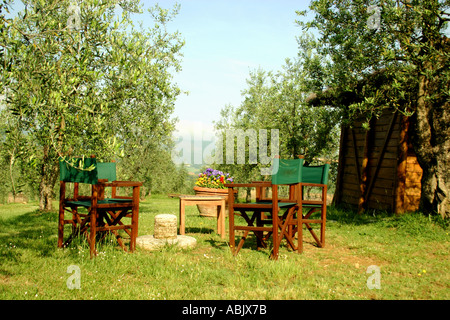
(165, 226)
(165, 233)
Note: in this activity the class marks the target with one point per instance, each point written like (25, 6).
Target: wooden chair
(102, 215)
(272, 211)
(317, 177)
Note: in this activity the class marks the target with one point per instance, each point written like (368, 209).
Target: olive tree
(81, 78)
(394, 54)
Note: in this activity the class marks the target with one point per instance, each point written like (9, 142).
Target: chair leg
(323, 215)
(323, 226)
(231, 230)
(75, 219)
(310, 229)
(241, 242)
(134, 218)
(300, 231)
(275, 239)
(259, 234)
(93, 231)
(62, 196)
(79, 227)
(323, 235)
(61, 227)
(286, 228)
(119, 240)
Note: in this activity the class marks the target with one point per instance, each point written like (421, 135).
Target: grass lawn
(410, 250)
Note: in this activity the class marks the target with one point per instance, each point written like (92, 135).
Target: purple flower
(214, 178)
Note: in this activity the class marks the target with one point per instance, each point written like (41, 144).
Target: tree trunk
(11, 176)
(435, 189)
(49, 174)
(432, 147)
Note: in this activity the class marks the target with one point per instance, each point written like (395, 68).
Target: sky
(225, 40)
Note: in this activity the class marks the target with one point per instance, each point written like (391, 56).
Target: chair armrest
(124, 184)
(319, 185)
(121, 184)
(127, 184)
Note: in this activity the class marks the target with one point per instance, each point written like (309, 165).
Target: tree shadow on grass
(203, 230)
(218, 244)
(34, 231)
(349, 216)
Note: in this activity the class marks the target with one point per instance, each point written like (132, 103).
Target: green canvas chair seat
(280, 204)
(87, 204)
(104, 214)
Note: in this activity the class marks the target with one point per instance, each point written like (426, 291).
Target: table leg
(182, 217)
(222, 219)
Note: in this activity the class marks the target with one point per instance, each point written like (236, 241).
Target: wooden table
(207, 201)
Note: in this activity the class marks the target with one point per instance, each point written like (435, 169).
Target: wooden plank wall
(370, 163)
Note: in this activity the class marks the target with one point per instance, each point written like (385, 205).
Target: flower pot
(211, 211)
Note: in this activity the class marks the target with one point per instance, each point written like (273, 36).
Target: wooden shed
(378, 168)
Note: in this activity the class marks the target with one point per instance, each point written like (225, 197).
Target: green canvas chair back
(316, 174)
(287, 171)
(107, 170)
(102, 170)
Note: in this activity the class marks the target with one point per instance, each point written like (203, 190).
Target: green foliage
(102, 81)
(17, 160)
(82, 79)
(397, 39)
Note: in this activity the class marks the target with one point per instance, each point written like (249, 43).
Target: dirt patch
(338, 255)
(334, 253)
(4, 280)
